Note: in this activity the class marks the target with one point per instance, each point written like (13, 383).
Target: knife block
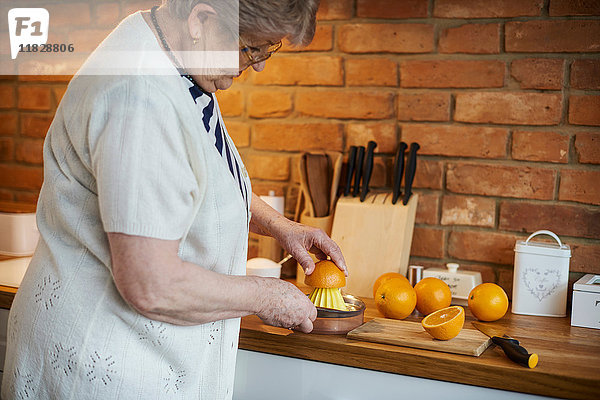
(375, 237)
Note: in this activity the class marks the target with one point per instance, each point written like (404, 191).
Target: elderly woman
(137, 286)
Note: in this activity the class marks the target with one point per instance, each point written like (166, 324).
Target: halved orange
(446, 323)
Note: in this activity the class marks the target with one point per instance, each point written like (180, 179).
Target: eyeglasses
(259, 54)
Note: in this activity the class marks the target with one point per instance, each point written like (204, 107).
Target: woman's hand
(299, 240)
(295, 238)
(285, 306)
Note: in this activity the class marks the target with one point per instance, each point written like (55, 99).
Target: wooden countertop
(569, 365)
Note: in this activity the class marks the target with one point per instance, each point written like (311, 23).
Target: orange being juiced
(327, 279)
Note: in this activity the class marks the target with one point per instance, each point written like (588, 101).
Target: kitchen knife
(350, 172)
(358, 167)
(510, 346)
(411, 169)
(398, 171)
(368, 170)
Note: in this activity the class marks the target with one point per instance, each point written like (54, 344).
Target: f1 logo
(28, 26)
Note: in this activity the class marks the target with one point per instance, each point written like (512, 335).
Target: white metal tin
(541, 276)
(586, 302)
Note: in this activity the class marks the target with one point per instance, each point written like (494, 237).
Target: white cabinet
(261, 376)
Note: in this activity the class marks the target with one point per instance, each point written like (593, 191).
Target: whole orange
(432, 294)
(488, 302)
(386, 277)
(396, 298)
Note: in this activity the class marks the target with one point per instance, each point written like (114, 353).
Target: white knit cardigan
(125, 154)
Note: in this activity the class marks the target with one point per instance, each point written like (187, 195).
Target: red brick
(7, 96)
(584, 258)
(339, 104)
(464, 210)
(556, 36)
(107, 14)
(269, 103)
(540, 146)
(6, 195)
(587, 145)
(322, 41)
(297, 137)
(134, 6)
(371, 72)
(486, 9)
(20, 177)
(302, 70)
(585, 74)
(429, 174)
(35, 125)
(509, 108)
(231, 102)
(34, 97)
(505, 280)
(584, 110)
(452, 73)
(58, 93)
(8, 124)
(335, 9)
(457, 141)
(63, 15)
(471, 39)
(482, 246)
(239, 133)
(275, 168)
(384, 133)
(559, 218)
(538, 73)
(431, 106)
(580, 186)
(7, 146)
(40, 78)
(559, 8)
(427, 208)
(391, 8)
(386, 38)
(380, 176)
(501, 180)
(26, 197)
(428, 242)
(30, 151)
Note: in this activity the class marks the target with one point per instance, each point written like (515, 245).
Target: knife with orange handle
(510, 346)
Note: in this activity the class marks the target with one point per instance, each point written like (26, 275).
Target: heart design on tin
(540, 283)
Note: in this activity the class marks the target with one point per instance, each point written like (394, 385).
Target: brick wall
(504, 98)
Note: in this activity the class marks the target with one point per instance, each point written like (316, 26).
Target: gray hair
(292, 19)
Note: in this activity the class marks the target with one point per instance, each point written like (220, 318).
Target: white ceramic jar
(541, 277)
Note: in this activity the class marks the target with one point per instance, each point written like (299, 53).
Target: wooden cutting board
(411, 334)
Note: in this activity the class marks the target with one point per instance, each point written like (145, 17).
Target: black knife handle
(516, 352)
(351, 161)
(398, 171)
(368, 170)
(411, 169)
(358, 167)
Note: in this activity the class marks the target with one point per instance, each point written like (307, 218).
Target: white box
(18, 230)
(541, 277)
(586, 302)
(460, 283)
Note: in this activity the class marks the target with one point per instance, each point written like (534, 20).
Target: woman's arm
(295, 238)
(152, 278)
